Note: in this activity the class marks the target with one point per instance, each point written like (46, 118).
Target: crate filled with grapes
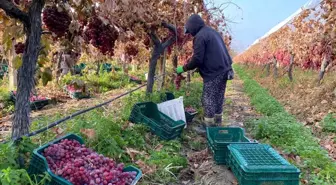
(77, 90)
(190, 113)
(69, 162)
(135, 79)
(37, 102)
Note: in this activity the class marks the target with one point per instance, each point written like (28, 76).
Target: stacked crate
(252, 163)
(219, 138)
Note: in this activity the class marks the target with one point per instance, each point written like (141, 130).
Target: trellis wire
(51, 125)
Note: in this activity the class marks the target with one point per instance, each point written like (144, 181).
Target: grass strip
(282, 130)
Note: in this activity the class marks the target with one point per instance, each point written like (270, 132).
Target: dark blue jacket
(210, 56)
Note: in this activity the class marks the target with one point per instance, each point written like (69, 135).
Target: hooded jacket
(210, 55)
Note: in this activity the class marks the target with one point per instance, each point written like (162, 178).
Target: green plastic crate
(159, 123)
(261, 165)
(190, 116)
(78, 95)
(107, 67)
(135, 80)
(169, 96)
(36, 105)
(79, 68)
(38, 164)
(219, 138)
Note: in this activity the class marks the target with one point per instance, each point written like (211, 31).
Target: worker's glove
(179, 70)
(230, 75)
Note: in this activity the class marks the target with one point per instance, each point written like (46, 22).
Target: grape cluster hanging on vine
(19, 48)
(131, 50)
(56, 21)
(100, 35)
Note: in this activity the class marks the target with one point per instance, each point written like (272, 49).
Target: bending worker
(212, 59)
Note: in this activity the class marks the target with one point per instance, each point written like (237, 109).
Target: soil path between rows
(202, 168)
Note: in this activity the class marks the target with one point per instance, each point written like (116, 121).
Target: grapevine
(56, 21)
(178, 81)
(147, 42)
(100, 35)
(19, 48)
(181, 39)
(190, 110)
(131, 50)
(308, 39)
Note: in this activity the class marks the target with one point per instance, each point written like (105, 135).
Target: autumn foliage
(310, 38)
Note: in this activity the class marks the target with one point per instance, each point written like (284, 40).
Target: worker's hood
(194, 24)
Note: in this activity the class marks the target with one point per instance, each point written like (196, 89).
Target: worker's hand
(179, 70)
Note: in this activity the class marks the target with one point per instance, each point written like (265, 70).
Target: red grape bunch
(32, 97)
(56, 21)
(17, 2)
(19, 48)
(72, 88)
(131, 50)
(100, 35)
(178, 81)
(190, 110)
(147, 42)
(36, 98)
(80, 165)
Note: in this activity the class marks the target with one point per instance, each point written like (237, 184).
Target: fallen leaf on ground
(127, 125)
(159, 147)
(90, 133)
(132, 153)
(198, 157)
(146, 169)
(58, 131)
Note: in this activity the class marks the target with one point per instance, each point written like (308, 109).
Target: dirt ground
(202, 168)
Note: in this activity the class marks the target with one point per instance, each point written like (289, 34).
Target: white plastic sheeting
(174, 109)
(309, 5)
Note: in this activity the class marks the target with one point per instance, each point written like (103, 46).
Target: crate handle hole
(223, 131)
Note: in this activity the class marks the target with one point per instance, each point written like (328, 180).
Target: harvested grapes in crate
(37, 102)
(69, 162)
(77, 89)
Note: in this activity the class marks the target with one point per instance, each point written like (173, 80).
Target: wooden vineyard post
(290, 69)
(268, 66)
(162, 71)
(275, 68)
(325, 63)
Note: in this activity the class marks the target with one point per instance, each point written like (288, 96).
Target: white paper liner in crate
(174, 109)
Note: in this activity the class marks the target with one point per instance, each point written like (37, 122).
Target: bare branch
(171, 27)
(154, 38)
(172, 39)
(169, 42)
(14, 12)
